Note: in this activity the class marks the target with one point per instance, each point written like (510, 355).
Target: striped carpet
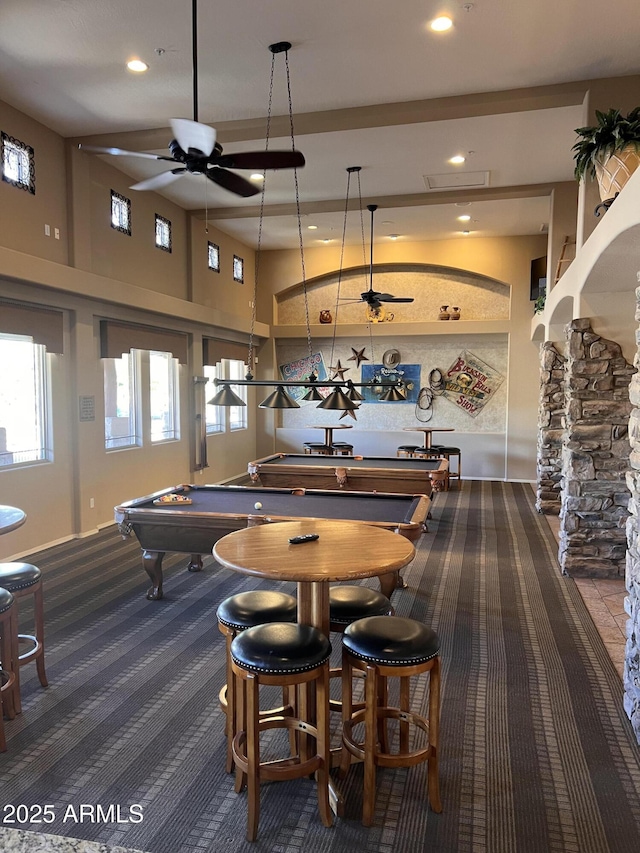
(537, 754)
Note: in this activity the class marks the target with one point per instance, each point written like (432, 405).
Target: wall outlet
(92, 503)
(47, 231)
(56, 233)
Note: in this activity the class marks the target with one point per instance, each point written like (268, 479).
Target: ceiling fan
(195, 150)
(374, 298)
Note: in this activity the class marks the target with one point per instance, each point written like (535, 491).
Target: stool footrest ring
(388, 759)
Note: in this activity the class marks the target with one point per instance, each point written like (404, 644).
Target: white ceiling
(62, 62)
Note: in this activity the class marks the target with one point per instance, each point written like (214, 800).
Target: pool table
(214, 511)
(357, 473)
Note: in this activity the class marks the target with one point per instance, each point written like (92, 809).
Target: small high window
(18, 164)
(213, 258)
(163, 233)
(120, 213)
(238, 269)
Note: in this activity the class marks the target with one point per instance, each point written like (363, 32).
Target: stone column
(550, 430)
(632, 576)
(595, 455)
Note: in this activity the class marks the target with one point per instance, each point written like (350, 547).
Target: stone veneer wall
(632, 577)
(595, 455)
(550, 430)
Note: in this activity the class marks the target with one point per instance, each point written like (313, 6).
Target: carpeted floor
(537, 755)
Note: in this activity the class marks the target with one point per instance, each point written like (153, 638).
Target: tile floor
(605, 601)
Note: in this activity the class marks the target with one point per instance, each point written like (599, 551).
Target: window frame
(210, 246)
(231, 421)
(125, 202)
(25, 152)
(135, 414)
(166, 223)
(238, 262)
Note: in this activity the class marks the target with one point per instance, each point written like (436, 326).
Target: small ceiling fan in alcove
(195, 150)
(374, 298)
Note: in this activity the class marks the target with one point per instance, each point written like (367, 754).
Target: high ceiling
(371, 85)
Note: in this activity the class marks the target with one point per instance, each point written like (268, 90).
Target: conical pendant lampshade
(226, 397)
(337, 400)
(279, 399)
(313, 396)
(353, 393)
(393, 395)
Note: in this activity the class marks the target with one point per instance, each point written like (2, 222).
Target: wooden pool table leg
(152, 564)
(195, 564)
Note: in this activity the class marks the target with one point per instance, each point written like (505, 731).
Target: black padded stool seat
(392, 642)
(317, 447)
(349, 603)
(24, 579)
(235, 614)
(9, 661)
(281, 654)
(246, 609)
(383, 647)
(407, 449)
(342, 448)
(280, 648)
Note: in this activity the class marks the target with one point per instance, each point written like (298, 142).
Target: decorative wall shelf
(354, 330)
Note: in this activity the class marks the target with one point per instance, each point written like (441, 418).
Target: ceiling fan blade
(385, 297)
(262, 160)
(232, 182)
(119, 152)
(193, 135)
(159, 181)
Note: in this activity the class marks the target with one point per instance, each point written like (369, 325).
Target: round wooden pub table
(427, 432)
(328, 431)
(344, 551)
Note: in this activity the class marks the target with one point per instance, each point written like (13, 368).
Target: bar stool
(342, 448)
(448, 452)
(407, 449)
(384, 647)
(8, 656)
(235, 614)
(317, 447)
(22, 579)
(282, 654)
(347, 604)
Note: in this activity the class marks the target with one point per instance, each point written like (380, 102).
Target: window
(121, 407)
(24, 402)
(163, 233)
(18, 164)
(214, 415)
(213, 256)
(222, 418)
(120, 213)
(238, 269)
(237, 414)
(163, 396)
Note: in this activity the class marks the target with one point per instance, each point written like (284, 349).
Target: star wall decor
(358, 356)
(338, 370)
(350, 412)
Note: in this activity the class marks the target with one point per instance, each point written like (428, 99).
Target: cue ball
(257, 505)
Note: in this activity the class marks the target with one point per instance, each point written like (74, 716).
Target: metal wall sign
(470, 383)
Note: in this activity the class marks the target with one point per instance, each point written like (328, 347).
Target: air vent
(457, 180)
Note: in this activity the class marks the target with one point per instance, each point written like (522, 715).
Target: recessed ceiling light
(441, 24)
(257, 176)
(312, 227)
(466, 233)
(464, 218)
(457, 159)
(462, 203)
(326, 240)
(393, 236)
(137, 65)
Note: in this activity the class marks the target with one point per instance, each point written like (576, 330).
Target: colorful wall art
(378, 373)
(470, 383)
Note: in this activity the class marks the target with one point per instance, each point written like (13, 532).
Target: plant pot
(614, 172)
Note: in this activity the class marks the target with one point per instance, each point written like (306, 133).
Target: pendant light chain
(364, 265)
(295, 178)
(251, 357)
(344, 236)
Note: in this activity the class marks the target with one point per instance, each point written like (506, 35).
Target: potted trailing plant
(608, 151)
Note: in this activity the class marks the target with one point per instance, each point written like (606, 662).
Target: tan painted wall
(22, 215)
